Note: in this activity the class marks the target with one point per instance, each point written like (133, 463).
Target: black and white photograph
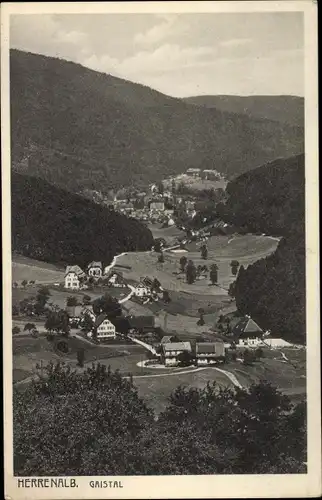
(162, 226)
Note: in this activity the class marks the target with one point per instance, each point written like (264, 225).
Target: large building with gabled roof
(73, 277)
(247, 333)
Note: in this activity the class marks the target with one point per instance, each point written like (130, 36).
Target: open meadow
(170, 234)
(58, 296)
(196, 183)
(221, 250)
(24, 268)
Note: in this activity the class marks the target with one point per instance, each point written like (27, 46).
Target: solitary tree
(42, 299)
(204, 251)
(185, 358)
(201, 320)
(58, 321)
(86, 300)
(191, 272)
(156, 285)
(234, 267)
(166, 297)
(183, 263)
(29, 326)
(259, 353)
(232, 289)
(248, 357)
(214, 274)
(15, 330)
(71, 301)
(24, 283)
(161, 258)
(108, 305)
(80, 357)
(87, 323)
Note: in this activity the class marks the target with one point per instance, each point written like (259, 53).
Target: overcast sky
(178, 54)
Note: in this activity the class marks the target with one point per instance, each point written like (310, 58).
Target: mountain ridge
(282, 108)
(82, 129)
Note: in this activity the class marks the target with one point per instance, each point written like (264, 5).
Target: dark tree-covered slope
(81, 129)
(269, 198)
(54, 225)
(272, 290)
(282, 108)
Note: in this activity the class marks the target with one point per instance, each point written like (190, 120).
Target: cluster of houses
(77, 279)
(156, 207)
(207, 174)
(206, 353)
(104, 328)
(246, 334)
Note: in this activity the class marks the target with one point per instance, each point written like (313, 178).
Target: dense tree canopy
(94, 423)
(271, 199)
(58, 226)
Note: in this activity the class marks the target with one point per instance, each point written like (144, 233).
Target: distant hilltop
(81, 129)
(282, 108)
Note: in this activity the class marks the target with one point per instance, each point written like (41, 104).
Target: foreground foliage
(94, 423)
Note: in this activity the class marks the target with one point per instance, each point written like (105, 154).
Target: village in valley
(169, 310)
(160, 322)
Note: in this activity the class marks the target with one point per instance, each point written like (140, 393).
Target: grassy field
(156, 390)
(59, 296)
(222, 249)
(170, 234)
(198, 184)
(290, 378)
(28, 351)
(24, 268)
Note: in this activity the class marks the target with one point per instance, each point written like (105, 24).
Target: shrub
(15, 330)
(62, 346)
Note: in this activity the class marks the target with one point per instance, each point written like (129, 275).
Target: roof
(147, 281)
(166, 339)
(247, 327)
(74, 269)
(99, 320)
(141, 321)
(74, 311)
(210, 348)
(95, 264)
(193, 170)
(88, 309)
(141, 285)
(177, 346)
(156, 201)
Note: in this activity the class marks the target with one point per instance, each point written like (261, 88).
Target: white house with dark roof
(73, 277)
(104, 328)
(116, 280)
(208, 353)
(142, 290)
(95, 269)
(247, 333)
(172, 350)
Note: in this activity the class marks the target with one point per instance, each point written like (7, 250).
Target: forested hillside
(282, 108)
(269, 198)
(54, 225)
(272, 290)
(81, 129)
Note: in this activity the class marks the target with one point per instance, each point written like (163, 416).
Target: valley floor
(179, 317)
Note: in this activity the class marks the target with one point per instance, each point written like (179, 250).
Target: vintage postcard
(160, 250)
